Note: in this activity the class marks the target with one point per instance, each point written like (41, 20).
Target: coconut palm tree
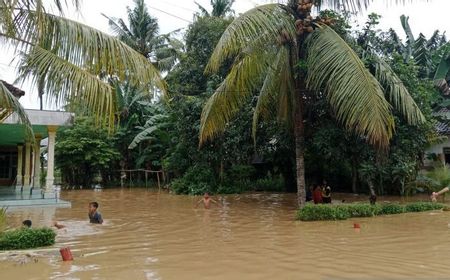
(282, 52)
(70, 60)
(142, 34)
(221, 8)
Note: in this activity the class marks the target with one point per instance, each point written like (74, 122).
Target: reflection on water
(147, 235)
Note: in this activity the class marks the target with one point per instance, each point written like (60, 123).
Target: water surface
(151, 235)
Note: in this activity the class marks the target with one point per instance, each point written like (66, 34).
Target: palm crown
(70, 60)
(281, 51)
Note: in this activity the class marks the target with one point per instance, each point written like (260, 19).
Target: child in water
(94, 216)
(206, 201)
(26, 224)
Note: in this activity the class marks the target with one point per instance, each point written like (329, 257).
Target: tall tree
(220, 8)
(285, 53)
(142, 34)
(71, 58)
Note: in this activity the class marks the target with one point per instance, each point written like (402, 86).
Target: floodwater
(151, 235)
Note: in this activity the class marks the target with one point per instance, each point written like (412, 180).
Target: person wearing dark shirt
(326, 193)
(94, 216)
(27, 224)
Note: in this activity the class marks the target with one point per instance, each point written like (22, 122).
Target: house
(20, 161)
(441, 150)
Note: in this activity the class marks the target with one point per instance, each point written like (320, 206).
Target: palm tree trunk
(299, 148)
(354, 174)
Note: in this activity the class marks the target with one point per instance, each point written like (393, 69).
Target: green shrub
(341, 212)
(2, 219)
(423, 206)
(27, 238)
(197, 180)
(270, 184)
(363, 210)
(391, 208)
(240, 172)
(321, 212)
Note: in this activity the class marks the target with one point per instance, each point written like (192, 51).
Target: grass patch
(27, 238)
(327, 212)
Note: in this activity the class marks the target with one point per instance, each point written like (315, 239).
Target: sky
(424, 17)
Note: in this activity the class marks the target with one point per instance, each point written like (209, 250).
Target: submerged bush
(27, 238)
(363, 210)
(322, 212)
(422, 206)
(394, 208)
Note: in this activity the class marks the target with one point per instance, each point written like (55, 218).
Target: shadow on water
(151, 235)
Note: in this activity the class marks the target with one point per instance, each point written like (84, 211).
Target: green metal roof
(14, 134)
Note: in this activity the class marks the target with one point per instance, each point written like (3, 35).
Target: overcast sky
(425, 17)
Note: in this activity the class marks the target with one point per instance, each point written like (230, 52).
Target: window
(8, 165)
(447, 155)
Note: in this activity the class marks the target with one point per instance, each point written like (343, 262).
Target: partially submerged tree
(284, 53)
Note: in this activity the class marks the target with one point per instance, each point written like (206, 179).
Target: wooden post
(146, 178)
(157, 176)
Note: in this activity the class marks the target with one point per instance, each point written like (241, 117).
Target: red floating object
(66, 254)
(356, 226)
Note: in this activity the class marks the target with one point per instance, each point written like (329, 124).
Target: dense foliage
(155, 133)
(83, 152)
(26, 238)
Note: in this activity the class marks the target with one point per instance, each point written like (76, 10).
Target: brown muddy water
(151, 235)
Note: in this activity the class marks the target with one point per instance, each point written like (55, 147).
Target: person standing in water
(434, 195)
(206, 200)
(326, 193)
(94, 216)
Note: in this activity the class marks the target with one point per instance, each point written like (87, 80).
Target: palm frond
(422, 54)
(355, 5)
(202, 9)
(273, 19)
(443, 68)
(91, 49)
(276, 86)
(244, 77)
(397, 93)
(8, 105)
(65, 81)
(353, 93)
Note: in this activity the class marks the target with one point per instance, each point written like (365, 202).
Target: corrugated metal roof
(443, 127)
(17, 92)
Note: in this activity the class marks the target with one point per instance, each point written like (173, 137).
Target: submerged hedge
(27, 238)
(323, 212)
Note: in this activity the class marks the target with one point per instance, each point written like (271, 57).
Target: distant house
(20, 163)
(440, 151)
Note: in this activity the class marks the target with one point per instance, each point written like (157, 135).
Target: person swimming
(206, 200)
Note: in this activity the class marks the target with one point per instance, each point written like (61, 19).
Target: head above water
(93, 206)
(27, 223)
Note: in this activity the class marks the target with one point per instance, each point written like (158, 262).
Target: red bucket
(66, 254)
(356, 226)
